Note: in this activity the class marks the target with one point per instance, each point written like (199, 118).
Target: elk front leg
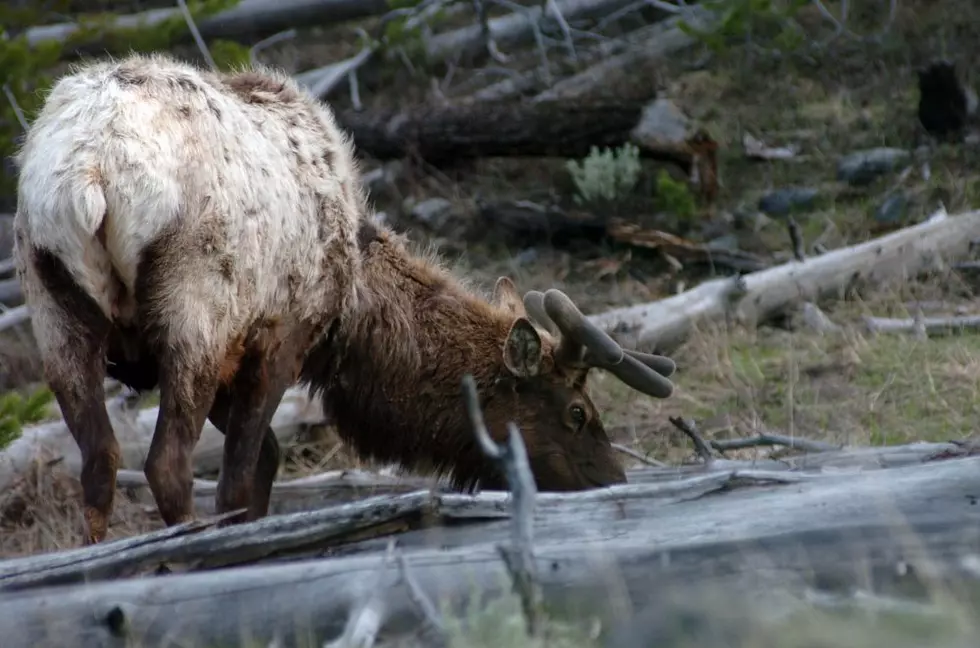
(251, 452)
(268, 461)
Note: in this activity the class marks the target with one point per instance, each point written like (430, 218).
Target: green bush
(16, 410)
(606, 175)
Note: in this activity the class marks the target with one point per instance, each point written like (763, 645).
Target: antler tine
(644, 372)
(661, 364)
(641, 376)
(575, 327)
(534, 305)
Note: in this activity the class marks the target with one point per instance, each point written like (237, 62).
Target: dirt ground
(847, 387)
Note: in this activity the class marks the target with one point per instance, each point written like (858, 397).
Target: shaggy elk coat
(208, 235)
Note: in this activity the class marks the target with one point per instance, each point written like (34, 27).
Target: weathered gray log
(618, 74)
(344, 486)
(208, 549)
(292, 496)
(10, 293)
(896, 532)
(513, 29)
(51, 441)
(246, 20)
(931, 326)
(758, 296)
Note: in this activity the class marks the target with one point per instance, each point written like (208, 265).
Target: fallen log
(52, 442)
(298, 532)
(513, 29)
(759, 296)
(931, 326)
(743, 536)
(294, 495)
(444, 134)
(343, 486)
(247, 20)
(10, 293)
(618, 74)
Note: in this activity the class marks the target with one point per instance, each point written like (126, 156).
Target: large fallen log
(756, 297)
(52, 442)
(334, 521)
(445, 134)
(786, 538)
(247, 20)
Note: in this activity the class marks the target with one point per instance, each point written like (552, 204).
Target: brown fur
(391, 377)
(387, 363)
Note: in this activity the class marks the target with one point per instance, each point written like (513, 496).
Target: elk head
(547, 355)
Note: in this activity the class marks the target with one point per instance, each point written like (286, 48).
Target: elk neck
(390, 374)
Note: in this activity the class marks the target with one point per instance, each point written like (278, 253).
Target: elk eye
(577, 412)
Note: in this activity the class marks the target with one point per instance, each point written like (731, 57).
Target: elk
(206, 233)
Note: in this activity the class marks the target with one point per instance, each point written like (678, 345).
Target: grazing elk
(207, 233)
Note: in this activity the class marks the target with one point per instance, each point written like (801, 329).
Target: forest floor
(846, 387)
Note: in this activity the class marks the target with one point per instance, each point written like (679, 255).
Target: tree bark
(442, 135)
(756, 536)
(895, 257)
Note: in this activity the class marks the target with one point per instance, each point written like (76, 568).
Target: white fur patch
(147, 144)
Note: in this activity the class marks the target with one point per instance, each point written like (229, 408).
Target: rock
(434, 212)
(861, 167)
(892, 210)
(783, 201)
(727, 242)
(662, 126)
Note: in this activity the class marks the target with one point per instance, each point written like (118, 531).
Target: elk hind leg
(72, 333)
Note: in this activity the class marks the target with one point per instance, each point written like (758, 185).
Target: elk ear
(522, 350)
(505, 295)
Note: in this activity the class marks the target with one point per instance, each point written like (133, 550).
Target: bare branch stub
(796, 238)
(690, 428)
(513, 460)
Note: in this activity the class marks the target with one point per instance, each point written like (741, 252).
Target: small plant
(605, 175)
(501, 622)
(17, 410)
(674, 197)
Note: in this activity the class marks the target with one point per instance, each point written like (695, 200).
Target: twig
(329, 77)
(796, 238)
(636, 455)
(550, 5)
(363, 626)
(253, 52)
(201, 45)
(16, 106)
(512, 458)
(766, 439)
(690, 428)
(480, 7)
(432, 617)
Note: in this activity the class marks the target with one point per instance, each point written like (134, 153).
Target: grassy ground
(847, 387)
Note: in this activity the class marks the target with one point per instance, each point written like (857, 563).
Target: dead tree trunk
(443, 135)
